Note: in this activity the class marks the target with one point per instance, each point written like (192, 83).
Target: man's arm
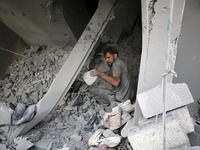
(114, 80)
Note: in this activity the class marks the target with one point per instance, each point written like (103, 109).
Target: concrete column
(155, 14)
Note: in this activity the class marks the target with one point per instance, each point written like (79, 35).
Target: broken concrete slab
(141, 137)
(182, 114)
(185, 119)
(151, 102)
(23, 144)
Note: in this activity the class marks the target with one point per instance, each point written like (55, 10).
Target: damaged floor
(29, 78)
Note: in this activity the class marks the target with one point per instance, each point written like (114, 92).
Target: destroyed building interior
(47, 49)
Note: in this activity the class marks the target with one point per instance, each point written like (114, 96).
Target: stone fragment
(68, 146)
(76, 137)
(8, 85)
(19, 92)
(24, 98)
(11, 99)
(6, 92)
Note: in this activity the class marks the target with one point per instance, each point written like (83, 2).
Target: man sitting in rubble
(118, 77)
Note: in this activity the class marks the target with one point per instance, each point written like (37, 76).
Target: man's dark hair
(111, 50)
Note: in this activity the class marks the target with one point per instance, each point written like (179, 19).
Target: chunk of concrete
(185, 119)
(151, 102)
(182, 115)
(23, 145)
(141, 137)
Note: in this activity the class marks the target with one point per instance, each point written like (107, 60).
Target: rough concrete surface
(141, 138)
(151, 101)
(182, 114)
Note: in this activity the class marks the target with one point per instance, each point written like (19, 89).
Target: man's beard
(109, 65)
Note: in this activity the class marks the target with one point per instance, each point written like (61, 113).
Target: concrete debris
(28, 80)
(23, 144)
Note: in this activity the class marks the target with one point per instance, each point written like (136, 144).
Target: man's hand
(95, 72)
(114, 80)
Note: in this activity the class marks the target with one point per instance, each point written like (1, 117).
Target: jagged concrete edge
(69, 70)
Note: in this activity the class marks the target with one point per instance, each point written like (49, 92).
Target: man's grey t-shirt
(124, 90)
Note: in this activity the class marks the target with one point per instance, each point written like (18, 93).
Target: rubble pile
(29, 77)
(78, 117)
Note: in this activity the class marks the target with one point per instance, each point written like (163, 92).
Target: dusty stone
(11, 99)
(60, 124)
(81, 119)
(76, 137)
(39, 86)
(8, 85)
(6, 92)
(24, 98)
(101, 112)
(19, 92)
(69, 146)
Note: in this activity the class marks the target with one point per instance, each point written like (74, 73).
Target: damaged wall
(37, 22)
(9, 42)
(41, 23)
(188, 55)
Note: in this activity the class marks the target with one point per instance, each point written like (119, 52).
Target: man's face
(110, 58)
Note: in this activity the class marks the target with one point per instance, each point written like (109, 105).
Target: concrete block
(182, 115)
(151, 102)
(182, 147)
(23, 145)
(185, 119)
(141, 137)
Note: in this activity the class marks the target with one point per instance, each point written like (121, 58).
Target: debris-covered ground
(72, 123)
